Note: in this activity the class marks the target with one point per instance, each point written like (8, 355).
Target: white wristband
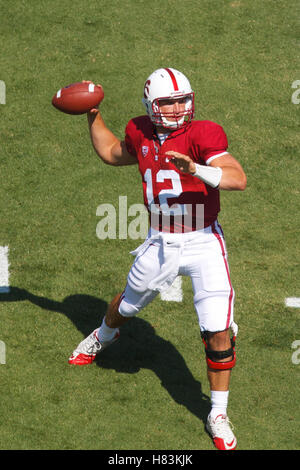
(209, 174)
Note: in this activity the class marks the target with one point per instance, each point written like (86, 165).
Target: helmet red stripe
(174, 81)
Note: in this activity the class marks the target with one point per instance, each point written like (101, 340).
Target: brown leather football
(78, 98)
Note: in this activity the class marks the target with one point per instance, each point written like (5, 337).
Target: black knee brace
(212, 357)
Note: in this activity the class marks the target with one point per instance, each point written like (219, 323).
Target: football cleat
(87, 350)
(220, 430)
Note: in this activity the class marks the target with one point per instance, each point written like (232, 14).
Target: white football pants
(201, 255)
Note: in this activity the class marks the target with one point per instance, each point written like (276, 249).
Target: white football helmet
(168, 84)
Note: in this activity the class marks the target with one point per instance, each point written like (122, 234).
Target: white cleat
(220, 430)
(87, 350)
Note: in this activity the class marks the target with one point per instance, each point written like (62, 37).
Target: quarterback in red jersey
(184, 163)
(168, 190)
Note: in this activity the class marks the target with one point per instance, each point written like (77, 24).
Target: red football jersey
(176, 201)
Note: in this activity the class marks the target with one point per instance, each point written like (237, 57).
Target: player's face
(172, 109)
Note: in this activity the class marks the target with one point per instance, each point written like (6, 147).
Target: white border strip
(4, 270)
(210, 159)
(292, 302)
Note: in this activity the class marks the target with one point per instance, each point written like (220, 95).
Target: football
(78, 98)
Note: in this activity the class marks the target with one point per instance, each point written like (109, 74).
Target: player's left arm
(223, 172)
(233, 176)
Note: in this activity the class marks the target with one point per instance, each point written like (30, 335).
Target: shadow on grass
(139, 347)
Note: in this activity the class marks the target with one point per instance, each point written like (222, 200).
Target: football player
(184, 163)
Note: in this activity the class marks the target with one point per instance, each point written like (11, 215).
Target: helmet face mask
(168, 86)
(171, 119)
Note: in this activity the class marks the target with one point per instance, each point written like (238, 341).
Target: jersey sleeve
(131, 138)
(211, 141)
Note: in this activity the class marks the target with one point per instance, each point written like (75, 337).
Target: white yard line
(292, 302)
(4, 270)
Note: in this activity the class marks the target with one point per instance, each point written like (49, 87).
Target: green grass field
(149, 391)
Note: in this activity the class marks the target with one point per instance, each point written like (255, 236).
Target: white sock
(219, 401)
(105, 333)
